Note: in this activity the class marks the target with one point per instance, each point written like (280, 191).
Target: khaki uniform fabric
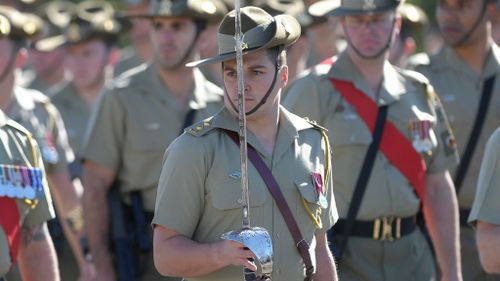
(136, 121)
(75, 112)
(388, 193)
(34, 111)
(29, 80)
(199, 195)
(486, 207)
(16, 149)
(128, 61)
(460, 90)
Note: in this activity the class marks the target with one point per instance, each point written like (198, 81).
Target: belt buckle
(387, 228)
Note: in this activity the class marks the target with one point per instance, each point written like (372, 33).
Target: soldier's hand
(234, 253)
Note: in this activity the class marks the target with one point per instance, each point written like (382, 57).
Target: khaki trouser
(408, 258)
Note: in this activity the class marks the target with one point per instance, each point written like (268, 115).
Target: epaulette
(419, 78)
(18, 127)
(419, 59)
(124, 79)
(199, 129)
(315, 124)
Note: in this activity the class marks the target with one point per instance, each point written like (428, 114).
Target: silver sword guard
(258, 240)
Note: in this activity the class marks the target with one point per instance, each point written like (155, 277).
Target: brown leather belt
(380, 229)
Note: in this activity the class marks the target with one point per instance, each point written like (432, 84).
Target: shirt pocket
(227, 195)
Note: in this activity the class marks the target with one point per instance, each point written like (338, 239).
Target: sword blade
(242, 132)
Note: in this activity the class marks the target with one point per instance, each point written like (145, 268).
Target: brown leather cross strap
(285, 211)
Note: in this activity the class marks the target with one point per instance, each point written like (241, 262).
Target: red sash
(10, 222)
(395, 146)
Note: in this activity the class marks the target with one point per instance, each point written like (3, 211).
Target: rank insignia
(420, 133)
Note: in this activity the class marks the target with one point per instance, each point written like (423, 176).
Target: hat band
(252, 39)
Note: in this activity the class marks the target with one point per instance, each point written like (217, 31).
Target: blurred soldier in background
(25, 202)
(413, 23)
(139, 51)
(90, 44)
(46, 72)
(465, 73)
(135, 121)
(495, 24)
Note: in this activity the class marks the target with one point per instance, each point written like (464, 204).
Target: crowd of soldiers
(369, 160)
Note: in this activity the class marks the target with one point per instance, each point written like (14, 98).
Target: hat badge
(165, 7)
(109, 25)
(369, 5)
(29, 28)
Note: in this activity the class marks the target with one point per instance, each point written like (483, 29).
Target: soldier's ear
(284, 74)
(114, 56)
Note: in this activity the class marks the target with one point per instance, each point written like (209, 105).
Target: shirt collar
(392, 85)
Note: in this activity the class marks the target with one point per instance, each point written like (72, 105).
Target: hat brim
(49, 44)
(334, 8)
(287, 32)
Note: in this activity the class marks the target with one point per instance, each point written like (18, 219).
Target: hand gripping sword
(257, 239)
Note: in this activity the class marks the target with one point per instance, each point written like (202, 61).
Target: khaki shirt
(34, 111)
(460, 91)
(75, 113)
(486, 207)
(408, 97)
(17, 148)
(128, 60)
(134, 123)
(199, 195)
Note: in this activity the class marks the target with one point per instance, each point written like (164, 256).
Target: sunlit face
(456, 18)
(171, 40)
(369, 33)
(45, 62)
(87, 62)
(259, 70)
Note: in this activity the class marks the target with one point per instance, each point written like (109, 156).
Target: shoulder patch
(419, 59)
(315, 124)
(199, 129)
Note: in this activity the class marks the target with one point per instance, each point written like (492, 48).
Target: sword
(257, 239)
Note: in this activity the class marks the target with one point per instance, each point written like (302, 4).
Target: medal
(420, 134)
(29, 191)
(48, 149)
(10, 182)
(318, 188)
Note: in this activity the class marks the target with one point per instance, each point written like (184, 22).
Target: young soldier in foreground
(199, 193)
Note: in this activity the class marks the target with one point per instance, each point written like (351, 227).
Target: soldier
(392, 146)
(46, 72)
(463, 72)
(485, 209)
(134, 122)
(413, 23)
(139, 51)
(35, 112)
(199, 193)
(91, 53)
(25, 202)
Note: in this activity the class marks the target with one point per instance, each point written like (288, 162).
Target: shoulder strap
(274, 189)
(364, 176)
(475, 133)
